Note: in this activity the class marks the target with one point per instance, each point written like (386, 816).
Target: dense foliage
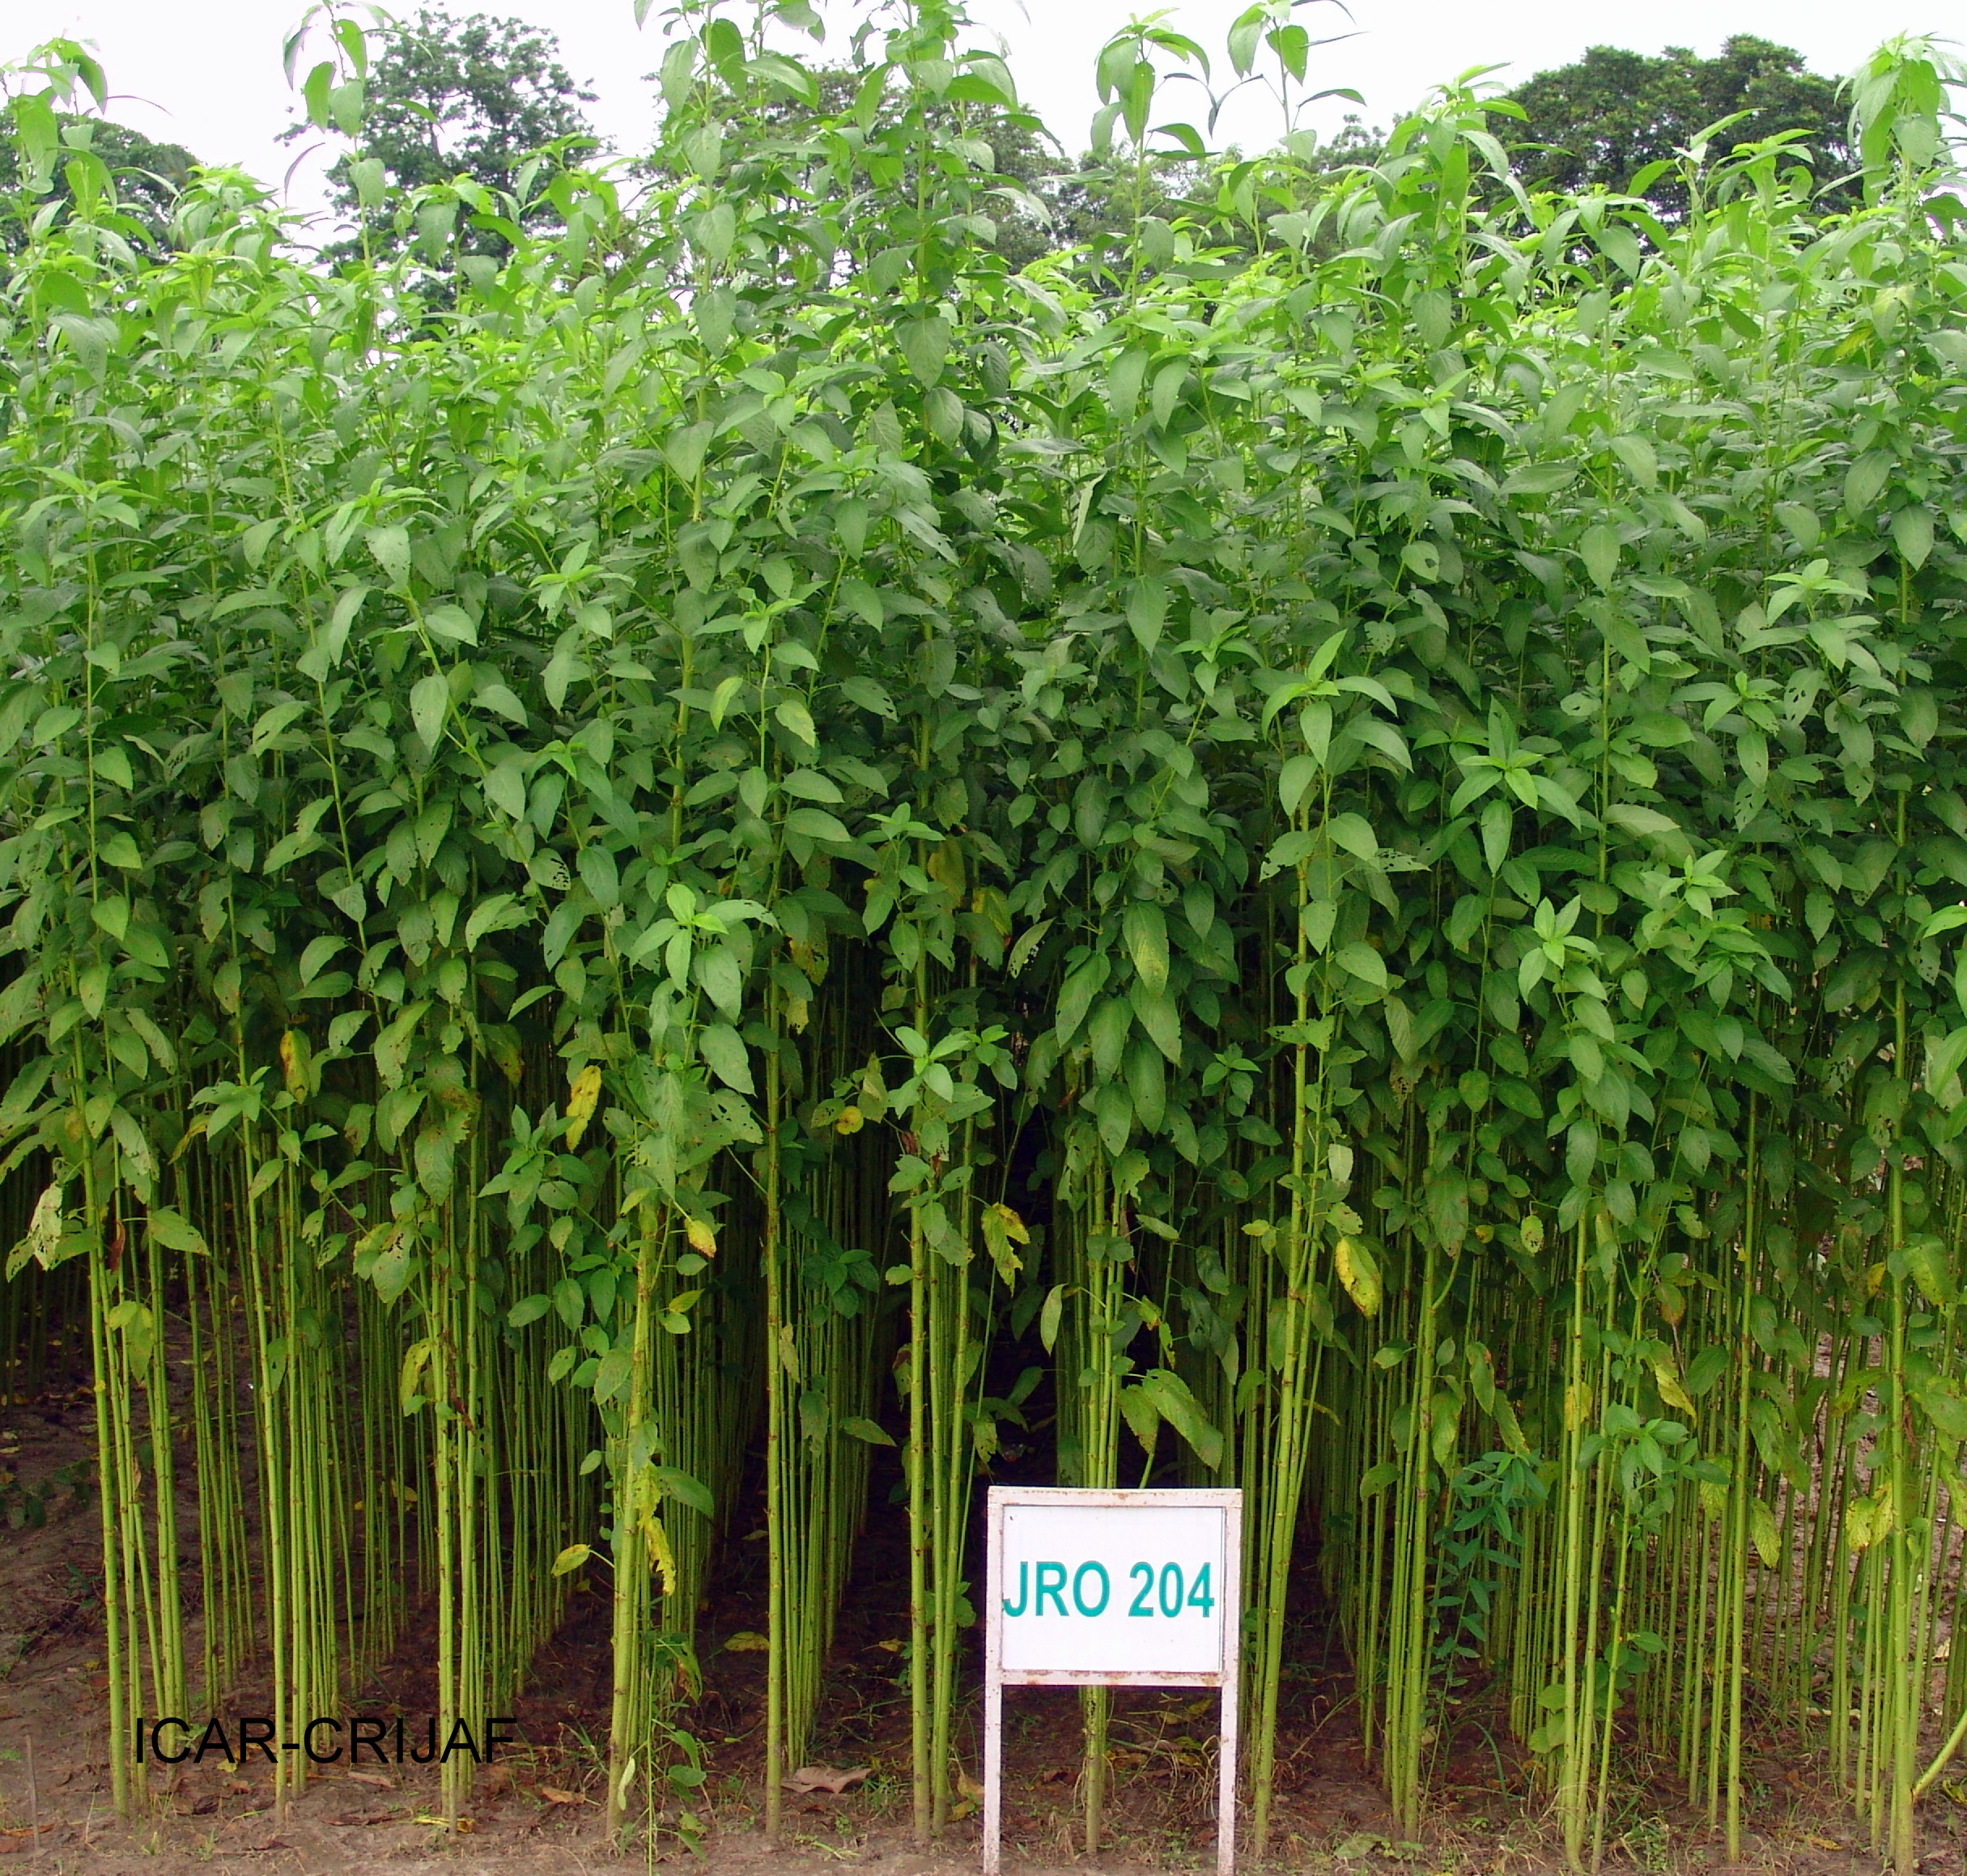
(1328, 862)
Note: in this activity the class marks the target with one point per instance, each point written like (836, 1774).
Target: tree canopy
(1606, 118)
(447, 97)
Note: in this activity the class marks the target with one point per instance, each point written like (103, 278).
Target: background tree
(447, 97)
(1603, 119)
(147, 176)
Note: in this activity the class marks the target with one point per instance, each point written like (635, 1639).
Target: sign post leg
(1225, 1781)
(993, 1769)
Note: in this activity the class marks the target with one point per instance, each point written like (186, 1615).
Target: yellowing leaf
(1762, 1531)
(703, 1240)
(580, 1102)
(1669, 1385)
(572, 1558)
(662, 1558)
(1359, 1274)
(1002, 1229)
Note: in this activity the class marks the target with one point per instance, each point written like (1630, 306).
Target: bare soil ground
(1331, 1816)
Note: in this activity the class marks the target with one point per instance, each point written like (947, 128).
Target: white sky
(206, 72)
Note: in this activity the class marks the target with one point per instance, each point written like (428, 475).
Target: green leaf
(798, 720)
(721, 1046)
(175, 1232)
(1077, 995)
(611, 1378)
(1295, 780)
(1180, 1407)
(390, 549)
(1599, 550)
(502, 912)
(111, 911)
(1354, 834)
(430, 702)
(1360, 960)
(1945, 1409)
(505, 787)
(925, 344)
(1912, 533)
(1050, 1314)
(685, 1489)
(870, 693)
(816, 824)
(1146, 933)
(454, 624)
(1147, 610)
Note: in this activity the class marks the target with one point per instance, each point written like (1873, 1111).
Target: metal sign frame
(1223, 1676)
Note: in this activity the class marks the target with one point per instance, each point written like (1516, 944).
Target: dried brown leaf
(830, 1778)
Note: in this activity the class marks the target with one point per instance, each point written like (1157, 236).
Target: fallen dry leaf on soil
(553, 1794)
(353, 1817)
(747, 1641)
(835, 1779)
(375, 1778)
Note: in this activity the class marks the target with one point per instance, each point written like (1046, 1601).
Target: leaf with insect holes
(1003, 1229)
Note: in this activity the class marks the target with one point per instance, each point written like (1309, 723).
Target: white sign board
(1111, 1588)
